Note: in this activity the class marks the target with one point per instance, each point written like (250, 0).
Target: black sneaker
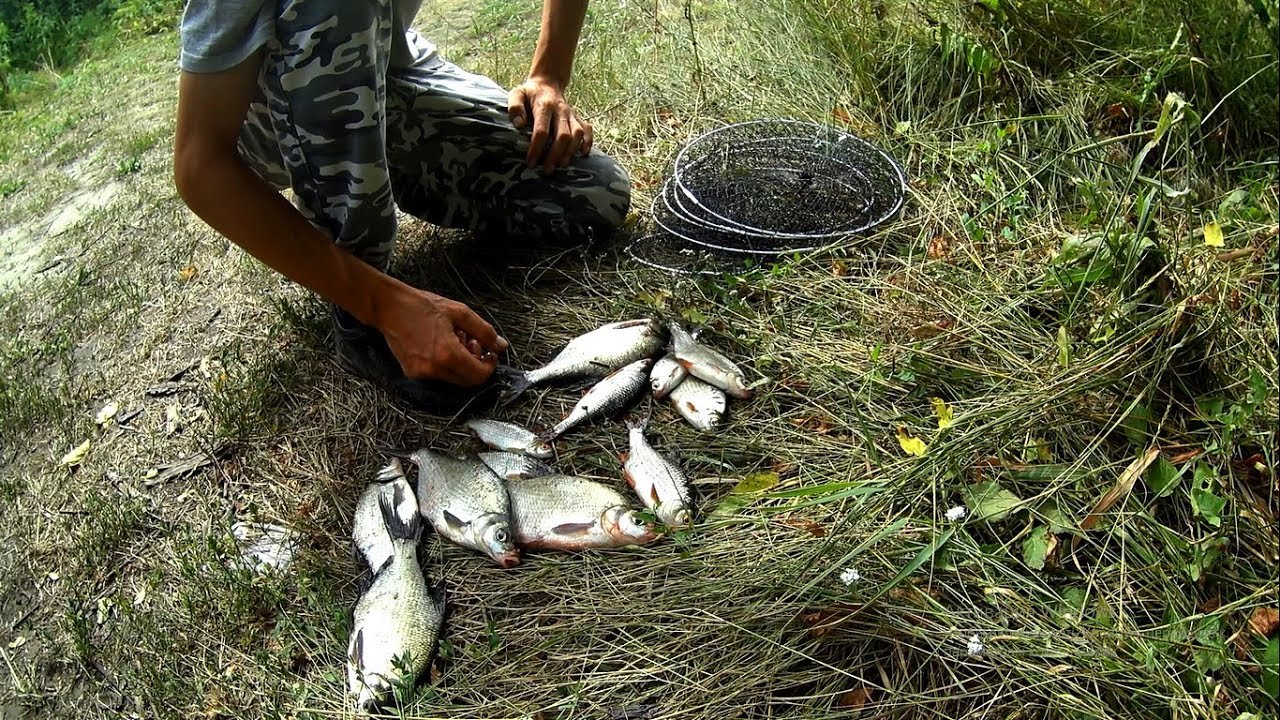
(364, 351)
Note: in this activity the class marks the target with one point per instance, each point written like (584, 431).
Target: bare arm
(557, 130)
(216, 184)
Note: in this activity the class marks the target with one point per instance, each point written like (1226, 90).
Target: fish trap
(766, 188)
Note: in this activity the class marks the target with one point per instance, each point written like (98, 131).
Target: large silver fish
(515, 466)
(467, 504)
(666, 375)
(397, 621)
(701, 403)
(660, 483)
(368, 530)
(606, 398)
(707, 364)
(594, 354)
(572, 513)
(509, 437)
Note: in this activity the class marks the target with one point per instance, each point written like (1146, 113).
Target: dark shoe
(363, 351)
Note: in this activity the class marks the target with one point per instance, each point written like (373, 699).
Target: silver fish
(396, 623)
(707, 364)
(606, 398)
(666, 375)
(701, 403)
(660, 483)
(596, 353)
(510, 437)
(515, 466)
(563, 512)
(467, 504)
(368, 530)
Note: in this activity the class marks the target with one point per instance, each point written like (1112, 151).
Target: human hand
(557, 130)
(436, 338)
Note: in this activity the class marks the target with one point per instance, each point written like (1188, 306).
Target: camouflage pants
(354, 137)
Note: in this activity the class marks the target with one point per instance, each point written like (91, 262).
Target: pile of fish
(501, 502)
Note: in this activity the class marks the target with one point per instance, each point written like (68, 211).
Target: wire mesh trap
(767, 188)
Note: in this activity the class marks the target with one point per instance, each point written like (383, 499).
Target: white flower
(975, 646)
(957, 513)
(849, 576)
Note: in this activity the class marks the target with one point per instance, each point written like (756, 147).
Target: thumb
(515, 106)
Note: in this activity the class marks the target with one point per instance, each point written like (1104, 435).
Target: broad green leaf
(911, 445)
(1210, 653)
(694, 315)
(1208, 506)
(988, 501)
(902, 127)
(76, 456)
(1270, 664)
(1136, 425)
(1172, 103)
(1057, 519)
(1257, 387)
(1036, 547)
(756, 482)
(1163, 478)
(944, 413)
(1213, 235)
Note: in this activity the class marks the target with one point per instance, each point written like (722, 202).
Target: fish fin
(572, 528)
(397, 527)
(653, 495)
(516, 382)
(453, 522)
(624, 455)
(631, 480)
(355, 655)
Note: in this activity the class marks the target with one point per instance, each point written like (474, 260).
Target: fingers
(543, 115)
(465, 320)
(567, 143)
(460, 367)
(517, 107)
(588, 137)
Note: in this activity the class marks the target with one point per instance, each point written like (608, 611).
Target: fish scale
(707, 364)
(396, 623)
(466, 503)
(660, 483)
(593, 354)
(368, 530)
(606, 398)
(699, 402)
(572, 513)
(510, 437)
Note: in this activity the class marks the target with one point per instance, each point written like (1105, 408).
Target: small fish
(467, 504)
(606, 398)
(368, 530)
(571, 513)
(707, 364)
(594, 354)
(660, 483)
(701, 403)
(509, 437)
(515, 466)
(396, 623)
(666, 375)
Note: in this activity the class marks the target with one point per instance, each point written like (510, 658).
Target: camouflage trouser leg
(318, 124)
(457, 161)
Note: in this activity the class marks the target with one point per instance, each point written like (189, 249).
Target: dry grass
(1060, 374)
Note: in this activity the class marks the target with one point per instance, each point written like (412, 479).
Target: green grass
(1048, 281)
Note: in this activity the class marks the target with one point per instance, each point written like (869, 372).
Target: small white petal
(957, 513)
(850, 576)
(975, 646)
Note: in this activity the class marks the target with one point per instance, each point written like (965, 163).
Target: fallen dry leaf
(945, 416)
(939, 248)
(854, 699)
(1122, 487)
(930, 329)
(188, 272)
(76, 456)
(806, 525)
(839, 268)
(842, 115)
(1213, 235)
(1264, 621)
(816, 425)
(107, 412)
(911, 445)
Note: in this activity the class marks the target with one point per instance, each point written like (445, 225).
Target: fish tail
(515, 382)
(638, 421)
(397, 527)
(392, 471)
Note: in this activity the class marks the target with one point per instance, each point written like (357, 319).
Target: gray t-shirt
(217, 35)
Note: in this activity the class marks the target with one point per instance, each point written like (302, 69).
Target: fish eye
(637, 520)
(501, 536)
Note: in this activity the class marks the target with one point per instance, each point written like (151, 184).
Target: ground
(1054, 284)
